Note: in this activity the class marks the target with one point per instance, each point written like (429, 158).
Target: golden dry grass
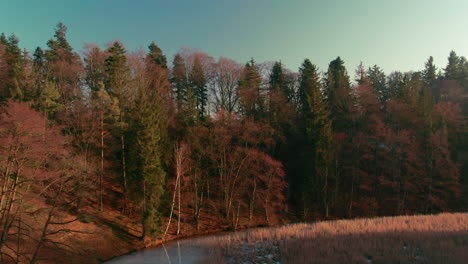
(439, 238)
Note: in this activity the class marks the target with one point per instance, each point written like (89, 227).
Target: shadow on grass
(119, 231)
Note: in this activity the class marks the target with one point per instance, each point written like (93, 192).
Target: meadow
(439, 238)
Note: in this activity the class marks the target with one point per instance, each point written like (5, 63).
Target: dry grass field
(439, 238)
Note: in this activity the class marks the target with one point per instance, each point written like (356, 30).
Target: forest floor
(439, 238)
(405, 239)
(103, 235)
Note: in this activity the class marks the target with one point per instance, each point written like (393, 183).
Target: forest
(247, 144)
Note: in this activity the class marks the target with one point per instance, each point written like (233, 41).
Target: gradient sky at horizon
(396, 35)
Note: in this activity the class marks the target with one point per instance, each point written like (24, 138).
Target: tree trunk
(6, 214)
(176, 187)
(144, 231)
(124, 172)
(252, 203)
(178, 215)
(101, 175)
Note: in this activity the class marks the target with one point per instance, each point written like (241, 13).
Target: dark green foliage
(318, 127)
(95, 68)
(430, 72)
(14, 84)
(281, 112)
(396, 81)
(378, 80)
(179, 80)
(336, 78)
(309, 78)
(59, 47)
(251, 102)
(148, 135)
(157, 55)
(430, 77)
(452, 71)
(362, 76)
(198, 82)
(3, 39)
(278, 81)
(49, 99)
(457, 69)
(63, 67)
(38, 57)
(338, 93)
(117, 71)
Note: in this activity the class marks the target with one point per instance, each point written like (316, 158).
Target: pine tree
(39, 67)
(157, 55)
(338, 93)
(95, 68)
(179, 80)
(251, 102)
(157, 75)
(149, 132)
(3, 69)
(361, 75)
(107, 110)
(280, 107)
(38, 57)
(430, 72)
(59, 48)
(157, 78)
(430, 77)
(117, 71)
(308, 77)
(64, 67)
(320, 137)
(278, 81)
(49, 99)
(3, 39)
(117, 77)
(378, 80)
(396, 81)
(13, 86)
(452, 71)
(198, 83)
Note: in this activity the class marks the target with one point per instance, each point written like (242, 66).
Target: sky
(394, 34)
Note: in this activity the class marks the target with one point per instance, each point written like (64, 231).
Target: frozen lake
(174, 252)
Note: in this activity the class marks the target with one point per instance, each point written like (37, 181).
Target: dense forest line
(203, 136)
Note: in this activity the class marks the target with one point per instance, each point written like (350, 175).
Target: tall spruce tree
(278, 95)
(251, 102)
(452, 71)
(179, 80)
(318, 126)
(278, 81)
(117, 71)
(59, 45)
(117, 78)
(338, 93)
(149, 133)
(361, 75)
(95, 68)
(15, 61)
(64, 66)
(156, 54)
(378, 80)
(430, 77)
(198, 84)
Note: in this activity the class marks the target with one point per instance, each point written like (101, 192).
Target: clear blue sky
(395, 34)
